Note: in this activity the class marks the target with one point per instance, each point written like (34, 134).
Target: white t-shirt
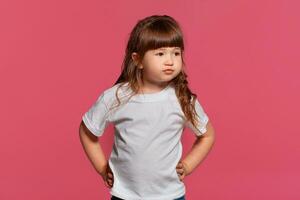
(147, 141)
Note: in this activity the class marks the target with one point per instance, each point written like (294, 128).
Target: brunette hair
(150, 33)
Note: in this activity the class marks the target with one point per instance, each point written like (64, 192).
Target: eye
(160, 54)
(177, 53)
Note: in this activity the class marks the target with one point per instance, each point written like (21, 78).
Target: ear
(135, 57)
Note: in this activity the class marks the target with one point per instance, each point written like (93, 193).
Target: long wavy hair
(150, 33)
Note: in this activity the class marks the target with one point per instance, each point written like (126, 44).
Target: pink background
(56, 57)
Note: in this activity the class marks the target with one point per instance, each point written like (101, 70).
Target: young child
(149, 105)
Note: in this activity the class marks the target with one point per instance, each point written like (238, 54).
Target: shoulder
(110, 93)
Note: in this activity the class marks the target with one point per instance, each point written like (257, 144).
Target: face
(161, 65)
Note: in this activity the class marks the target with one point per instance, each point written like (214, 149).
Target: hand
(108, 176)
(181, 169)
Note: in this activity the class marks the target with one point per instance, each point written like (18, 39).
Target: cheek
(179, 60)
(152, 70)
(179, 64)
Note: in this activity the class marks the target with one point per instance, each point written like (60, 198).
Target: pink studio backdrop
(56, 57)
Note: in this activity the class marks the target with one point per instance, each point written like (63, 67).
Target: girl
(150, 105)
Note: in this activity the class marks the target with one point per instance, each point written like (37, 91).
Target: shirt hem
(169, 197)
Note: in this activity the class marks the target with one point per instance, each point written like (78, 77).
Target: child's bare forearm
(199, 151)
(92, 149)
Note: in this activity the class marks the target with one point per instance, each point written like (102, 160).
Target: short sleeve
(96, 118)
(202, 119)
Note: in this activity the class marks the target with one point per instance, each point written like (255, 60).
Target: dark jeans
(117, 198)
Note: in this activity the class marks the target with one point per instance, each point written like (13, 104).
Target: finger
(182, 177)
(179, 165)
(107, 185)
(110, 183)
(110, 179)
(180, 174)
(181, 171)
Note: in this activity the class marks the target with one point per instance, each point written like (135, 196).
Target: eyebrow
(175, 48)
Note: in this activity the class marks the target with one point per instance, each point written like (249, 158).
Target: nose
(169, 59)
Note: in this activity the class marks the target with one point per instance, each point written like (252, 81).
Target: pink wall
(57, 56)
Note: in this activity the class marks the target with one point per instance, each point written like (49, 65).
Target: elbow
(81, 128)
(210, 132)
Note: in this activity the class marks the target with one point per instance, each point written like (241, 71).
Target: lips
(168, 70)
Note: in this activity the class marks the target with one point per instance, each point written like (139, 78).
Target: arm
(95, 154)
(92, 149)
(199, 151)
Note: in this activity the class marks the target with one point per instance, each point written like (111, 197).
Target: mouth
(168, 71)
